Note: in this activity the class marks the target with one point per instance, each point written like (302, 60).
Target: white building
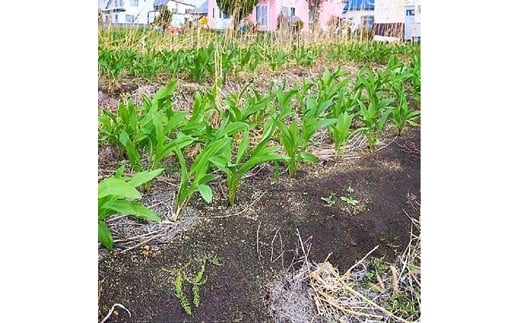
(181, 10)
(397, 20)
(123, 12)
(359, 13)
(143, 12)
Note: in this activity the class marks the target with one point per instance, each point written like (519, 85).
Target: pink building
(216, 18)
(266, 12)
(329, 9)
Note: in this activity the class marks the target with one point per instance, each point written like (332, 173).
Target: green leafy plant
(341, 132)
(374, 117)
(329, 199)
(145, 129)
(112, 125)
(111, 65)
(118, 195)
(197, 281)
(181, 295)
(247, 156)
(331, 84)
(278, 59)
(196, 177)
(245, 110)
(415, 67)
(349, 199)
(198, 124)
(402, 115)
(295, 137)
(198, 63)
(304, 56)
(291, 138)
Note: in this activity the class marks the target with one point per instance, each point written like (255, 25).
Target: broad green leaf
(307, 157)
(234, 127)
(105, 236)
(144, 177)
(206, 192)
(207, 178)
(124, 113)
(175, 121)
(158, 124)
(326, 122)
(131, 150)
(117, 188)
(120, 170)
(165, 92)
(262, 157)
(242, 148)
(383, 119)
(132, 208)
(221, 160)
(386, 102)
(132, 117)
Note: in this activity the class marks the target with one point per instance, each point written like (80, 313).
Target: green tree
(236, 9)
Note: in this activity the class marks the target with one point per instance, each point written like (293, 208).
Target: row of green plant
(246, 129)
(229, 58)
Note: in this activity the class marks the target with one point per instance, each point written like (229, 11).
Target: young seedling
(349, 200)
(402, 115)
(296, 137)
(197, 176)
(329, 199)
(197, 281)
(247, 157)
(375, 113)
(181, 295)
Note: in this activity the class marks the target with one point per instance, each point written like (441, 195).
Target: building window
(213, 15)
(410, 12)
(134, 3)
(261, 15)
(129, 18)
(116, 19)
(222, 15)
(367, 21)
(358, 5)
(288, 11)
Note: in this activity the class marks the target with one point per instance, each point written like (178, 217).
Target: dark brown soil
(259, 239)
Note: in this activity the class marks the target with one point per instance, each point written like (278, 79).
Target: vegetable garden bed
(256, 185)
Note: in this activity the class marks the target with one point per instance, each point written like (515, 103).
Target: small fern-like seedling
(181, 296)
(197, 282)
(214, 260)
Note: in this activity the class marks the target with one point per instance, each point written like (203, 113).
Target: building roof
(184, 3)
(158, 3)
(111, 6)
(202, 9)
(359, 5)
